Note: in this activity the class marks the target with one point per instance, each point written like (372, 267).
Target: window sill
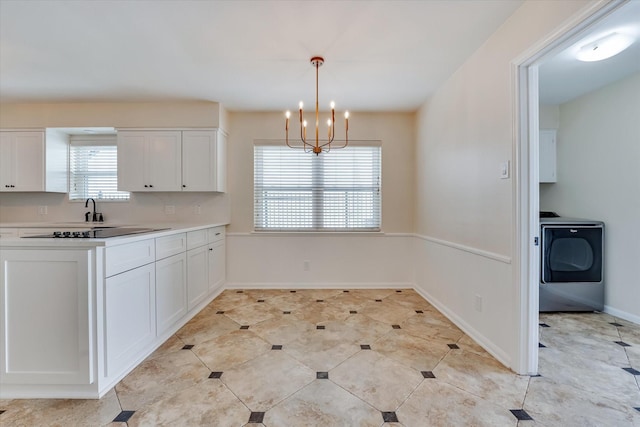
(100, 200)
(317, 233)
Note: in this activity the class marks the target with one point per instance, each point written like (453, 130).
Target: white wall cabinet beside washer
(547, 147)
(149, 160)
(31, 162)
(45, 334)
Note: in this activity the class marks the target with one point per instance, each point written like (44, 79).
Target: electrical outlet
(306, 265)
(478, 303)
(42, 210)
(170, 209)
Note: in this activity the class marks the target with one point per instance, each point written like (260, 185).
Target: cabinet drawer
(216, 234)
(8, 232)
(126, 257)
(197, 238)
(171, 245)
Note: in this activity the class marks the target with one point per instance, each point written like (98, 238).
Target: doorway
(526, 157)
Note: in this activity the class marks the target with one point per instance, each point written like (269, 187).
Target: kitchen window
(335, 191)
(93, 168)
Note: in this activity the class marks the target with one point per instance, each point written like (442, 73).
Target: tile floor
(380, 357)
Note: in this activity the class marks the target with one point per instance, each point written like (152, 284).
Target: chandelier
(318, 146)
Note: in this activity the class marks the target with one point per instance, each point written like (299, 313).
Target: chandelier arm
(302, 138)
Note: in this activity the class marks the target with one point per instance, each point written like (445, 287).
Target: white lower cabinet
(44, 328)
(8, 232)
(130, 316)
(217, 263)
(74, 321)
(171, 291)
(197, 275)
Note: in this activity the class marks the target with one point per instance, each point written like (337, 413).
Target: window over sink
(93, 168)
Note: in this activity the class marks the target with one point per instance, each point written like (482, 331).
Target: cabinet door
(149, 160)
(6, 161)
(199, 157)
(547, 159)
(171, 291)
(164, 162)
(217, 262)
(131, 158)
(130, 315)
(45, 304)
(197, 275)
(8, 232)
(221, 163)
(22, 161)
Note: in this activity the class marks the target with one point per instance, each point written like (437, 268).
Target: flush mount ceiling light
(318, 146)
(604, 47)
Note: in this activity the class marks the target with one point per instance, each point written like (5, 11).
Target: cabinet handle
(210, 249)
(184, 186)
(145, 186)
(13, 186)
(217, 234)
(7, 185)
(150, 185)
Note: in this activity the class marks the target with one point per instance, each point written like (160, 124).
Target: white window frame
(85, 141)
(316, 193)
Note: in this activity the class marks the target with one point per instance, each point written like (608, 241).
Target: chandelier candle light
(319, 146)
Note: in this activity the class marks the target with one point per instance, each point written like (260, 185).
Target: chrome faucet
(86, 215)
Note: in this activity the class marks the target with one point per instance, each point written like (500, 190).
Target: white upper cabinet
(29, 162)
(203, 153)
(149, 160)
(190, 160)
(547, 146)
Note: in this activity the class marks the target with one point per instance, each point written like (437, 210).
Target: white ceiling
(563, 78)
(254, 55)
(248, 55)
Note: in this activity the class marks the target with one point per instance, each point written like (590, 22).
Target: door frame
(526, 235)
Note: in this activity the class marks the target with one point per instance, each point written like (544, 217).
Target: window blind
(93, 171)
(335, 191)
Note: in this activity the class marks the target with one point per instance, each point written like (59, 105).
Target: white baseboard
(300, 285)
(496, 352)
(622, 314)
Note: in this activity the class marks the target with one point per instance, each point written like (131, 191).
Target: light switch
(504, 170)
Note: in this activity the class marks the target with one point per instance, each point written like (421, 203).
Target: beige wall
(395, 130)
(464, 210)
(333, 259)
(598, 157)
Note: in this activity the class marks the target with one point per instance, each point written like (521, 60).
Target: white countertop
(22, 242)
